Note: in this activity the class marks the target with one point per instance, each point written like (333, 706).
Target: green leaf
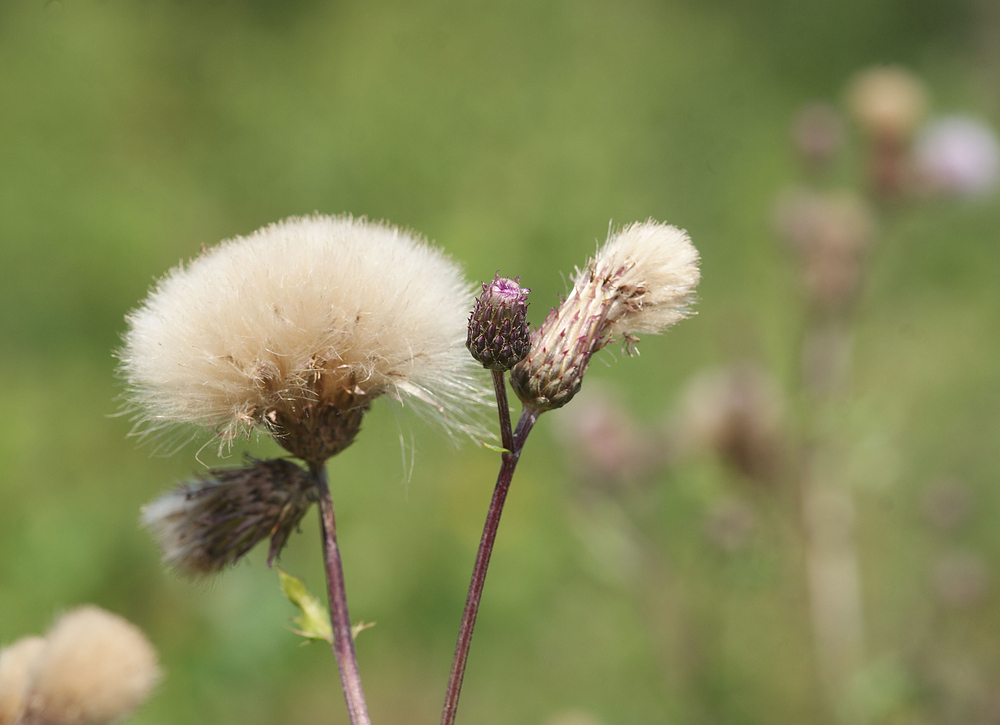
(495, 449)
(315, 620)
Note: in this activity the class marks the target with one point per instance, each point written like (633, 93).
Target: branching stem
(507, 466)
(500, 387)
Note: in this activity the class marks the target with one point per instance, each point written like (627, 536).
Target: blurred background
(781, 512)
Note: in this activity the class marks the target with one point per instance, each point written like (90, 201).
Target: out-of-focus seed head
(960, 579)
(17, 666)
(830, 233)
(818, 134)
(603, 444)
(95, 668)
(205, 525)
(642, 280)
(738, 413)
(948, 505)
(887, 101)
(499, 337)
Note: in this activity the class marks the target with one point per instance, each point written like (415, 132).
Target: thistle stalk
(340, 619)
(503, 409)
(507, 466)
(642, 280)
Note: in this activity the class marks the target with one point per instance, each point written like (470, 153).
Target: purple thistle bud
(207, 524)
(499, 337)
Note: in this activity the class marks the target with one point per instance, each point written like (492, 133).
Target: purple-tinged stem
(340, 619)
(507, 466)
(500, 387)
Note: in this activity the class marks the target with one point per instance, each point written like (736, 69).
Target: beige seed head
(641, 281)
(95, 668)
(17, 664)
(888, 101)
(297, 328)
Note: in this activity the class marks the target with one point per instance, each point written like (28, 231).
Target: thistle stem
(343, 639)
(507, 466)
(500, 387)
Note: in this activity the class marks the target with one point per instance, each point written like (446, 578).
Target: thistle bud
(207, 524)
(498, 326)
(642, 280)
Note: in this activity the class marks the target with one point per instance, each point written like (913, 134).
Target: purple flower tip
(498, 326)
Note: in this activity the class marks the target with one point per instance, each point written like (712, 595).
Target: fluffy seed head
(298, 327)
(888, 101)
(498, 326)
(17, 665)
(95, 668)
(642, 280)
(210, 523)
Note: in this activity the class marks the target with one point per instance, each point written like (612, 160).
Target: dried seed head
(17, 667)
(888, 101)
(297, 328)
(95, 668)
(642, 280)
(498, 326)
(205, 525)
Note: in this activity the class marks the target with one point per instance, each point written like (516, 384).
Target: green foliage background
(132, 132)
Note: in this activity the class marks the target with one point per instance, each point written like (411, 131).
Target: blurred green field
(132, 132)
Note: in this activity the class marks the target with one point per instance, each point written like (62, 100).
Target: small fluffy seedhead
(888, 101)
(17, 666)
(641, 281)
(210, 523)
(650, 270)
(499, 336)
(95, 668)
(298, 325)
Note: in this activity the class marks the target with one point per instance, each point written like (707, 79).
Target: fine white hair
(656, 266)
(239, 330)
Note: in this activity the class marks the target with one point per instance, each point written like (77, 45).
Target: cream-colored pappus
(92, 668)
(641, 281)
(297, 328)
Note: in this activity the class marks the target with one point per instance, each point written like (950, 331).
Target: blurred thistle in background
(92, 668)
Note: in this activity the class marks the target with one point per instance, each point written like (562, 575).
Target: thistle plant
(294, 330)
(641, 281)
